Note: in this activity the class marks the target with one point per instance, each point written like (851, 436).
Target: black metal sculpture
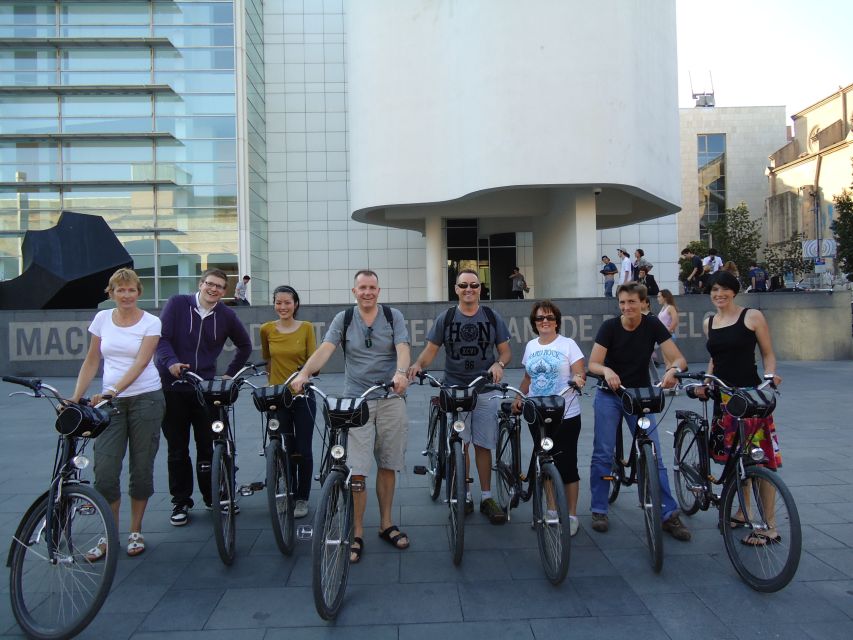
(67, 266)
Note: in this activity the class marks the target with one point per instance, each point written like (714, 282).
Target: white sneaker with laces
(300, 510)
(573, 525)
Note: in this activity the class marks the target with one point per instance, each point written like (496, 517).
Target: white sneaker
(573, 525)
(300, 510)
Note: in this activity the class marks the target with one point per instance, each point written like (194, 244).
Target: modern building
(299, 140)
(805, 174)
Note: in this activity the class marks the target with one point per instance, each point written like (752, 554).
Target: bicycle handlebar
(386, 386)
(482, 382)
(702, 377)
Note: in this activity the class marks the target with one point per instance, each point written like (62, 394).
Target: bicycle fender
(35, 505)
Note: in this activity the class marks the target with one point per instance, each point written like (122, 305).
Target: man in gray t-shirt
(470, 341)
(375, 350)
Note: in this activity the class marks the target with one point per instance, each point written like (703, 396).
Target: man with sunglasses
(376, 347)
(470, 334)
(195, 328)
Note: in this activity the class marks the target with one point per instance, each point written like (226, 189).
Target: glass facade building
(711, 160)
(131, 110)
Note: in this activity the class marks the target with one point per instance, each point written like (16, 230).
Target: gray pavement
(179, 588)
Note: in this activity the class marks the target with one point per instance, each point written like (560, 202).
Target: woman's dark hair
(725, 280)
(548, 306)
(287, 289)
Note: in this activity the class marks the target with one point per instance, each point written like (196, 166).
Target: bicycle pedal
(304, 532)
(608, 478)
(261, 453)
(523, 477)
(469, 480)
(712, 479)
(246, 491)
(258, 486)
(419, 469)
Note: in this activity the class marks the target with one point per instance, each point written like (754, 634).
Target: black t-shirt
(628, 352)
(696, 261)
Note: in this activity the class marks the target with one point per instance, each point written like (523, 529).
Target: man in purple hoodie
(195, 328)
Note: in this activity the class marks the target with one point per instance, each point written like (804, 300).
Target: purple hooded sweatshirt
(187, 337)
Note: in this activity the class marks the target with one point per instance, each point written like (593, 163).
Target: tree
(787, 257)
(737, 237)
(842, 229)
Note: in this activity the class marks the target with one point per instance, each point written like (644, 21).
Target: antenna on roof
(703, 98)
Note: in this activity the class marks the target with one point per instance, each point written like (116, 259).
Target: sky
(763, 52)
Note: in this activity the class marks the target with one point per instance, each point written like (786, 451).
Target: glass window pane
(25, 218)
(199, 127)
(30, 106)
(106, 77)
(199, 104)
(198, 196)
(198, 173)
(196, 36)
(184, 219)
(28, 152)
(197, 151)
(173, 286)
(717, 143)
(136, 105)
(112, 171)
(27, 59)
(212, 58)
(28, 78)
(132, 59)
(28, 172)
(197, 81)
(100, 151)
(134, 198)
(105, 31)
(106, 125)
(28, 13)
(193, 13)
(123, 218)
(125, 12)
(29, 125)
(12, 198)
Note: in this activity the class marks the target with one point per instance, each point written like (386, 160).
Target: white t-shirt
(716, 263)
(626, 269)
(550, 369)
(119, 346)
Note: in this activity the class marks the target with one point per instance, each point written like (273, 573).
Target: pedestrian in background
(609, 271)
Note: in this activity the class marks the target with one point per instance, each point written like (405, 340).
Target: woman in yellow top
(286, 344)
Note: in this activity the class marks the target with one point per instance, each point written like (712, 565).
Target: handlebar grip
(32, 383)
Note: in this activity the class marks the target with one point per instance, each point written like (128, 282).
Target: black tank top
(733, 350)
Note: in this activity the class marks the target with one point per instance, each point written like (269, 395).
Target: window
(711, 162)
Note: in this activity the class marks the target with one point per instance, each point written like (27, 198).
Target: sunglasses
(465, 285)
(368, 338)
(214, 285)
(545, 318)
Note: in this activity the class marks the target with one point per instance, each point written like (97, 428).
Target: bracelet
(403, 371)
(500, 364)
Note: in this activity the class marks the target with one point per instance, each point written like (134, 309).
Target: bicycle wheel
(649, 490)
(330, 545)
(434, 435)
(59, 599)
(280, 496)
(615, 480)
(765, 562)
(504, 471)
(222, 485)
(687, 469)
(456, 500)
(551, 516)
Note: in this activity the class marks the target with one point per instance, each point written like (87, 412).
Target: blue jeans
(608, 288)
(608, 413)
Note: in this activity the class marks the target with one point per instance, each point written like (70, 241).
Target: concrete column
(436, 261)
(565, 261)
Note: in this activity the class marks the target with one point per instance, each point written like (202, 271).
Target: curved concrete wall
(449, 99)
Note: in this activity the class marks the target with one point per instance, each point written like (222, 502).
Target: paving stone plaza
(180, 589)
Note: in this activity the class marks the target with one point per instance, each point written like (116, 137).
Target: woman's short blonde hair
(125, 276)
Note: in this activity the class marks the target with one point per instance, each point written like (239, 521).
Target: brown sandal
(355, 551)
(400, 541)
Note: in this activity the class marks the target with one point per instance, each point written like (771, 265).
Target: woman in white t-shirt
(550, 362)
(125, 337)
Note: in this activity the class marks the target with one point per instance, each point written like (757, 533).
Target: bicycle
(220, 396)
(333, 531)
(277, 449)
(56, 588)
(445, 452)
(641, 466)
(544, 482)
(753, 498)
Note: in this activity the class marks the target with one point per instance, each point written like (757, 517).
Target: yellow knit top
(286, 352)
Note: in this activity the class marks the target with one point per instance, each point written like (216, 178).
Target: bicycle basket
(268, 398)
(751, 403)
(222, 392)
(80, 421)
(642, 400)
(347, 412)
(458, 399)
(547, 410)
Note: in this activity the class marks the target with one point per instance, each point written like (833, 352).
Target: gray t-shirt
(365, 366)
(469, 346)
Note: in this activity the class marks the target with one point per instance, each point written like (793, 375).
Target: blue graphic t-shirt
(549, 367)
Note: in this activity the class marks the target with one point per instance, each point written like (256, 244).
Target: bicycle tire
(649, 493)
(280, 496)
(331, 544)
(616, 471)
(456, 490)
(434, 436)
(504, 473)
(222, 511)
(687, 469)
(52, 601)
(769, 567)
(552, 525)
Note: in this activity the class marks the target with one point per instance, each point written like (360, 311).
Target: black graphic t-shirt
(469, 344)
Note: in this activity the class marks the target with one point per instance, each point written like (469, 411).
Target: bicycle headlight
(218, 426)
(547, 444)
(757, 454)
(338, 452)
(81, 462)
(273, 424)
(644, 423)
(459, 426)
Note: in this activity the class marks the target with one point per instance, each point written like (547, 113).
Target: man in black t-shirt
(691, 283)
(621, 355)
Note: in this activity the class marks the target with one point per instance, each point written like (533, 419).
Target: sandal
(400, 541)
(736, 523)
(756, 539)
(355, 551)
(135, 544)
(98, 551)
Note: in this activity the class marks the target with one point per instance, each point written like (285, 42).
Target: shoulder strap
(490, 316)
(448, 318)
